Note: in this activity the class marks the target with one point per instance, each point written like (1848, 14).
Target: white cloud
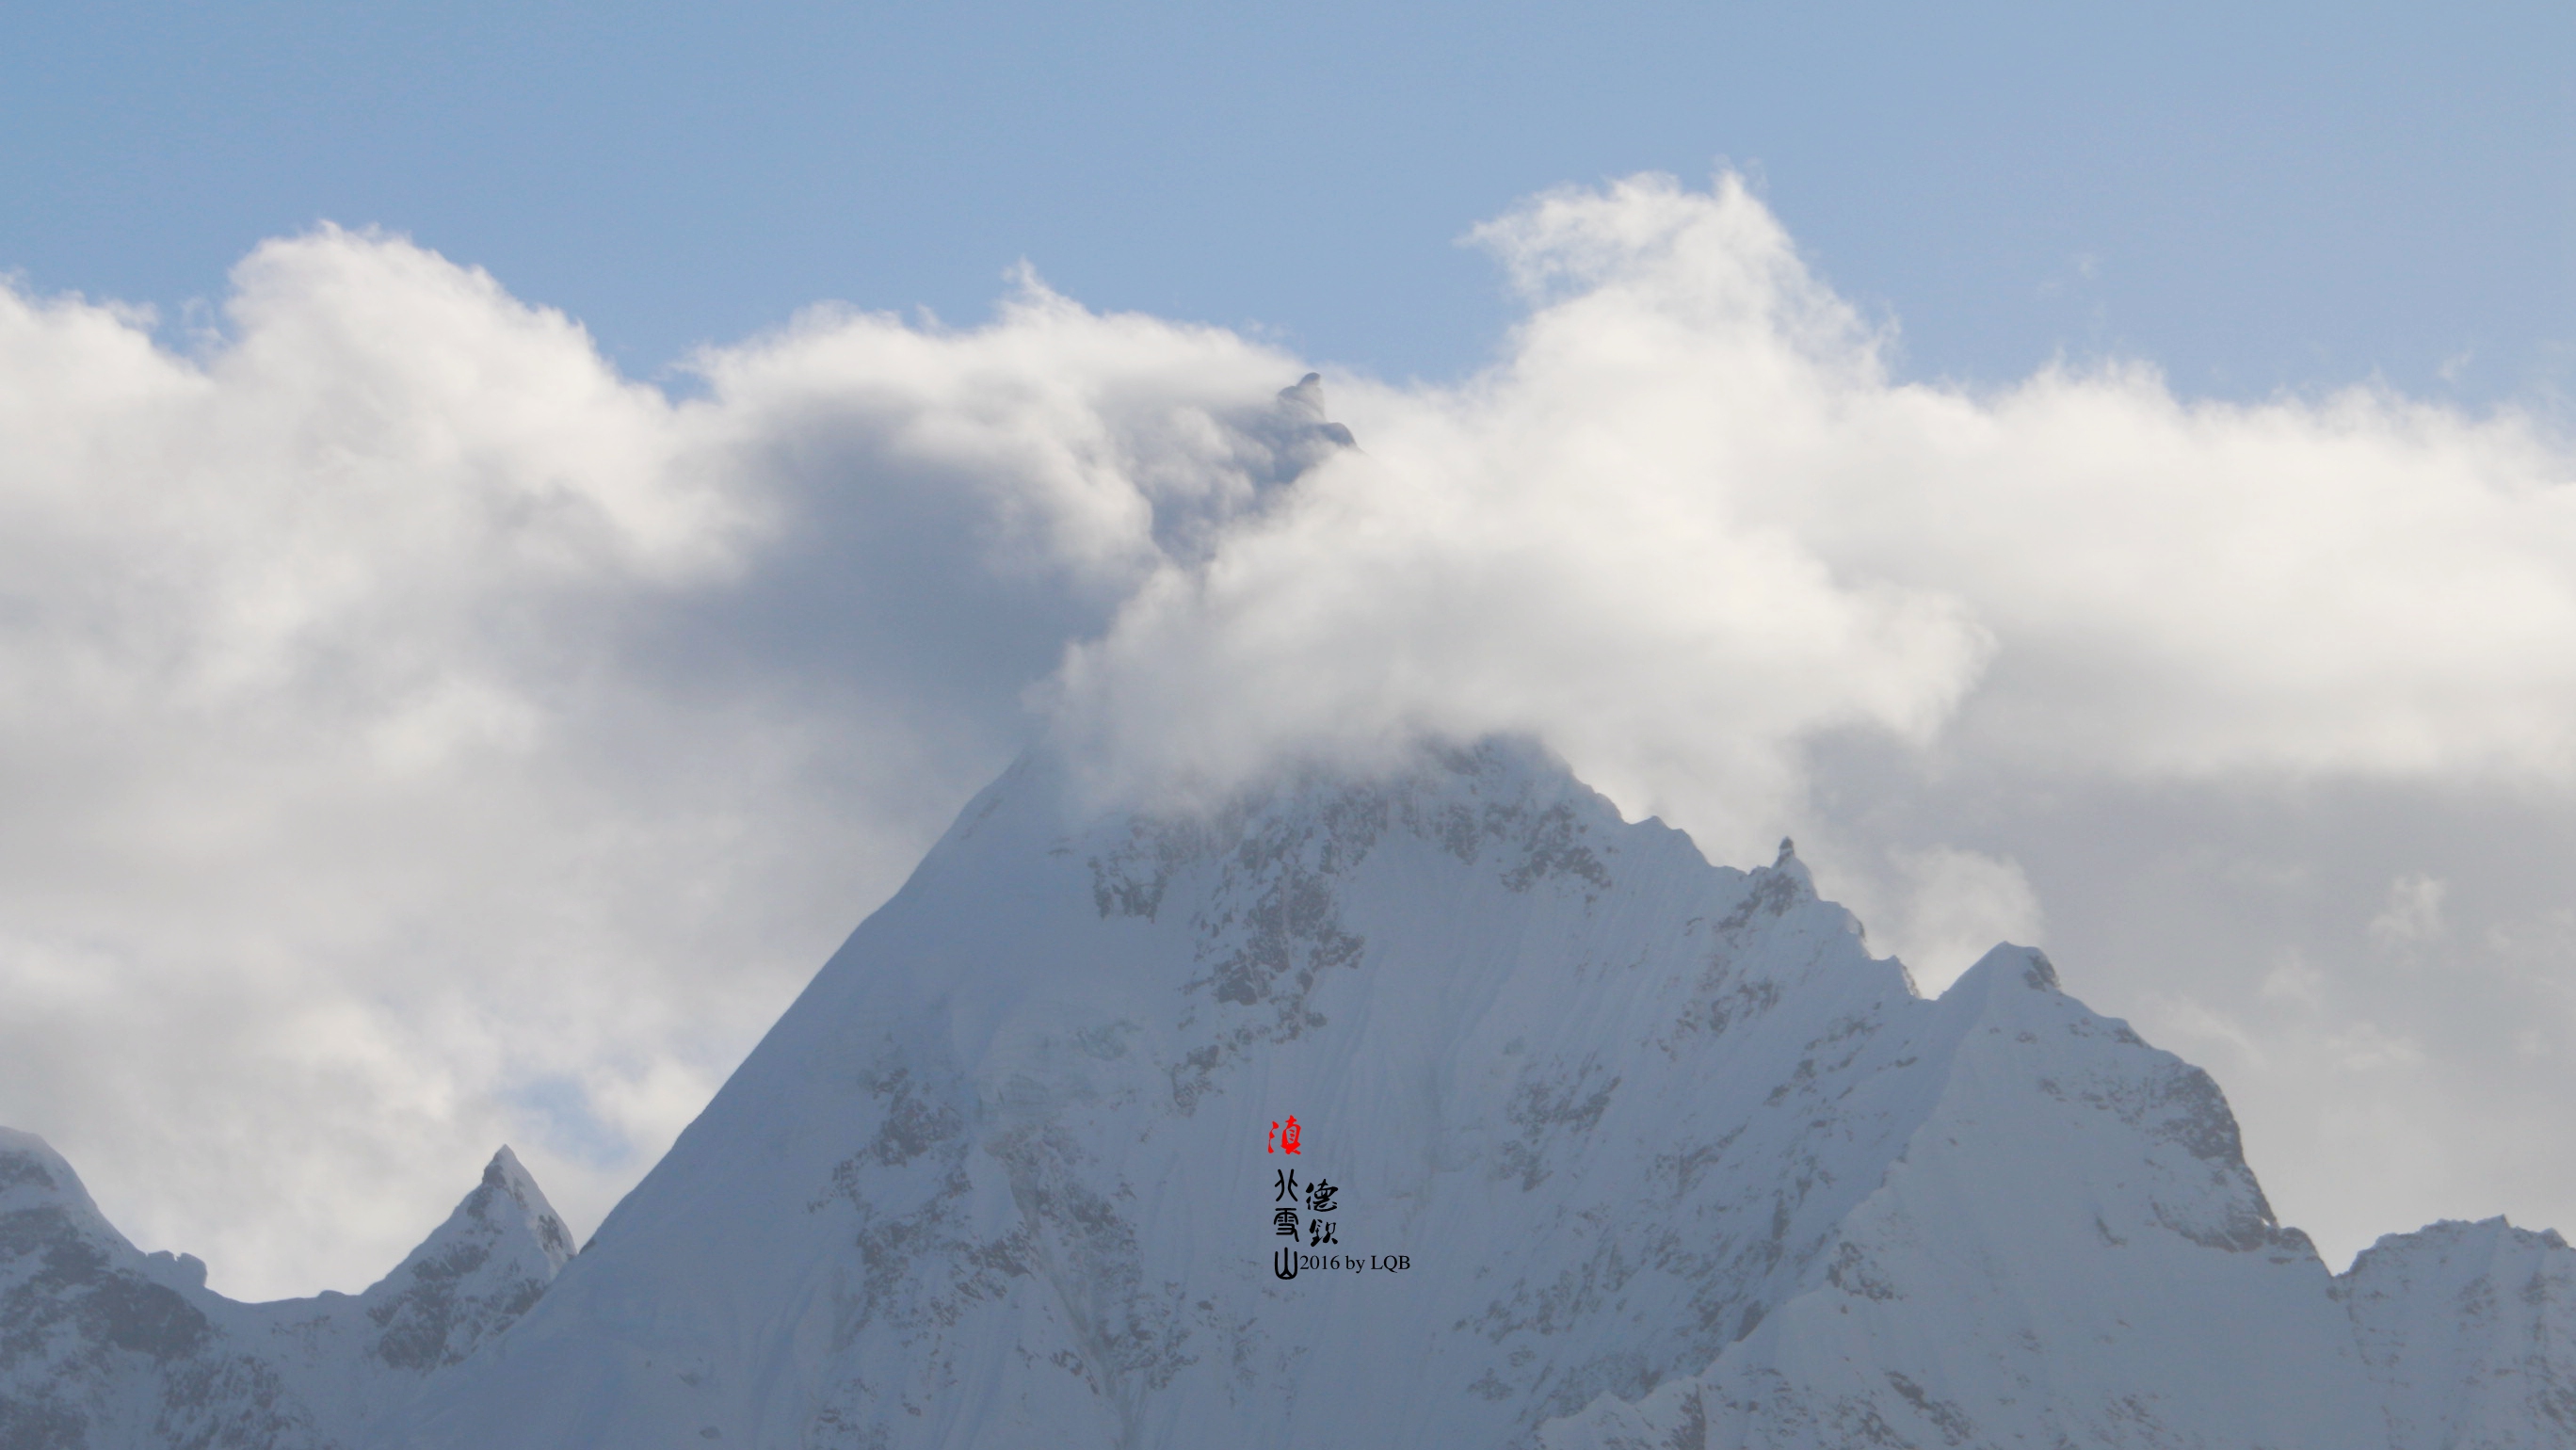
(2294, 979)
(2413, 914)
(1957, 904)
(418, 735)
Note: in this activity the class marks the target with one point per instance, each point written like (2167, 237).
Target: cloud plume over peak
(421, 736)
(1689, 522)
(1575, 544)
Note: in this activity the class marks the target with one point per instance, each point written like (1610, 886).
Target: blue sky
(2255, 198)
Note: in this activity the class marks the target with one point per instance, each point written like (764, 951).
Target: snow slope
(1669, 1157)
(1625, 1150)
(2470, 1328)
(104, 1346)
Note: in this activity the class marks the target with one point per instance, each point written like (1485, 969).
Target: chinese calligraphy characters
(1297, 1207)
(1318, 1197)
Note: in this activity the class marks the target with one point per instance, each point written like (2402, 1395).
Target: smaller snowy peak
(474, 1274)
(505, 1177)
(35, 1177)
(72, 1289)
(2068, 1249)
(2006, 966)
(2466, 1328)
(103, 1346)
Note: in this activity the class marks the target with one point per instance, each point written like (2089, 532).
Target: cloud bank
(418, 735)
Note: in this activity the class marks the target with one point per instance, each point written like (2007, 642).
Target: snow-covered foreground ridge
(1624, 1150)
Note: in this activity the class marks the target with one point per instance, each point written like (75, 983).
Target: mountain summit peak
(1437, 1106)
(1623, 1148)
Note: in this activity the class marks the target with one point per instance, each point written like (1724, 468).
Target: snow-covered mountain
(103, 1345)
(2469, 1331)
(1595, 1145)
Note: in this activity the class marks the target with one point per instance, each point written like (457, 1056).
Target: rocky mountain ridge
(1623, 1149)
(102, 1344)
